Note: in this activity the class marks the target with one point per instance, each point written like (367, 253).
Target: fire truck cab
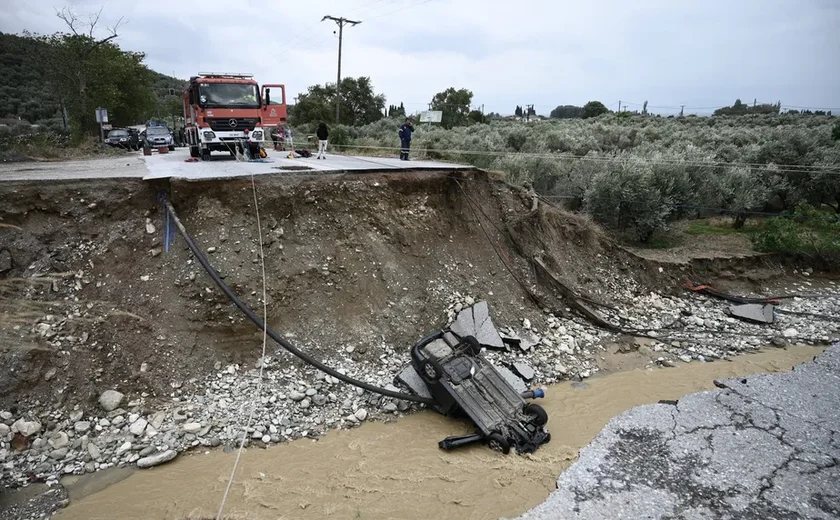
(224, 112)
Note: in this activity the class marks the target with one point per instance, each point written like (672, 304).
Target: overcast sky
(698, 53)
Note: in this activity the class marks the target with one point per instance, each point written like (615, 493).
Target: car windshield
(229, 95)
(118, 133)
(157, 130)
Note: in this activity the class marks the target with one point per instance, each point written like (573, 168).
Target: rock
(150, 228)
(266, 438)
(144, 367)
(4, 430)
(526, 323)
(294, 395)
(138, 427)
(319, 399)
(82, 426)
(156, 420)
(93, 450)
(58, 440)
(6, 416)
(390, 407)
(361, 414)
(310, 392)
(215, 441)
(76, 416)
(191, 427)
(211, 249)
(585, 374)
(305, 403)
(110, 400)
(523, 370)
(645, 350)
(26, 428)
(50, 374)
(123, 448)
(154, 460)
(58, 454)
(5, 261)
(790, 333)
(561, 369)
(779, 341)
(685, 358)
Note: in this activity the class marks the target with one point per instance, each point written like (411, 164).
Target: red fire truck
(225, 111)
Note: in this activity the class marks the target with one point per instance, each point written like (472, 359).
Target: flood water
(396, 470)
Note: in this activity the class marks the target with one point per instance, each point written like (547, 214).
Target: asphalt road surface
(175, 165)
(762, 447)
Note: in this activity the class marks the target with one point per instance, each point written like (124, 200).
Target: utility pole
(341, 22)
(682, 110)
(528, 110)
(619, 105)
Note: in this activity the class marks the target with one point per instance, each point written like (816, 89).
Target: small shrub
(808, 233)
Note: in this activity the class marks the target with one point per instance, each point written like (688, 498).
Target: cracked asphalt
(762, 447)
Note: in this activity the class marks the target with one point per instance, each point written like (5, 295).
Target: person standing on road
(405, 138)
(323, 134)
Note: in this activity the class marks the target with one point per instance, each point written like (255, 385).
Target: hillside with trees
(58, 80)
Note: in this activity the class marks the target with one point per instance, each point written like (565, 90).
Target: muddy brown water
(395, 470)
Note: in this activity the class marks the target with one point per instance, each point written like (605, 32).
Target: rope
(256, 401)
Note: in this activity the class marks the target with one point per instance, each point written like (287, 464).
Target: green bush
(627, 197)
(807, 233)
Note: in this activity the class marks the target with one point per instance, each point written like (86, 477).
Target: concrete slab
(764, 446)
(753, 312)
(174, 165)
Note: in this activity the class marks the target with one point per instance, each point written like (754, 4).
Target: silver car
(158, 137)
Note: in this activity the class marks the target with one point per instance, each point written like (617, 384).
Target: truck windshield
(229, 95)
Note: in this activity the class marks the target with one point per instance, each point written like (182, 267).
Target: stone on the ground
(82, 426)
(361, 414)
(523, 370)
(26, 428)
(159, 458)
(790, 333)
(93, 450)
(124, 447)
(156, 420)
(4, 430)
(58, 440)
(191, 427)
(138, 427)
(5, 261)
(294, 395)
(58, 454)
(110, 400)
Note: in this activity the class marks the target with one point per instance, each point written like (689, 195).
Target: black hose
(272, 333)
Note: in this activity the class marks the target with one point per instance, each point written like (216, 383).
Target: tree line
(59, 80)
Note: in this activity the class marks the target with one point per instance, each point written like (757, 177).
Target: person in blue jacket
(405, 138)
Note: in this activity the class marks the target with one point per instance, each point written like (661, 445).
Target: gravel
(298, 401)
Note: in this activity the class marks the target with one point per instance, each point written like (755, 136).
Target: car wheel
(495, 441)
(473, 344)
(539, 413)
(431, 370)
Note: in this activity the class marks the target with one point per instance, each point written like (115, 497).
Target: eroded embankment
(359, 267)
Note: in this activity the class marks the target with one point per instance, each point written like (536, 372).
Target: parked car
(158, 136)
(128, 139)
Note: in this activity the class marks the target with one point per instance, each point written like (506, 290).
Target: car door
(273, 111)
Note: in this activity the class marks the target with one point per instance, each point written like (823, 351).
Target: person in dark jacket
(323, 134)
(405, 138)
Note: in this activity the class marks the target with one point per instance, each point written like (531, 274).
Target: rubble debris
(476, 321)
(753, 312)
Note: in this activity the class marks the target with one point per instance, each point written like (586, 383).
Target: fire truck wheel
(205, 155)
(194, 151)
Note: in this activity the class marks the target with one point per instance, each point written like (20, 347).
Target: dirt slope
(91, 301)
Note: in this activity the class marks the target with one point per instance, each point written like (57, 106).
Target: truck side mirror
(268, 96)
